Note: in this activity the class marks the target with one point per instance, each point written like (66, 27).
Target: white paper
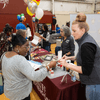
(35, 40)
(59, 55)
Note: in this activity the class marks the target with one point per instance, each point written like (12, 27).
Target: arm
(88, 51)
(39, 75)
(26, 69)
(72, 46)
(47, 37)
(70, 66)
(69, 58)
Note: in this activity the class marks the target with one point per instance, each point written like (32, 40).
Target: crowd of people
(18, 74)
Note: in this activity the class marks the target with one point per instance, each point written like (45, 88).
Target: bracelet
(48, 67)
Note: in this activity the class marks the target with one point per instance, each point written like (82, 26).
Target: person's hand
(52, 64)
(41, 36)
(63, 62)
(65, 57)
(68, 53)
(39, 40)
(9, 39)
(71, 73)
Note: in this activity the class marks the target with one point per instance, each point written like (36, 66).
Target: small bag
(1, 77)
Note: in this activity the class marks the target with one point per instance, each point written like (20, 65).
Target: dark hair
(36, 20)
(57, 25)
(3, 43)
(81, 21)
(18, 40)
(20, 20)
(45, 27)
(27, 25)
(7, 25)
(6, 29)
(11, 28)
(68, 24)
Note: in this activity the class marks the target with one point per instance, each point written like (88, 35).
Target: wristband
(48, 67)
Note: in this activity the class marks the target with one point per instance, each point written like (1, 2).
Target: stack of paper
(35, 65)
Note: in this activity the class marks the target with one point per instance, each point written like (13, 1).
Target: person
(11, 30)
(18, 73)
(28, 31)
(67, 45)
(88, 58)
(68, 24)
(8, 30)
(57, 29)
(4, 46)
(20, 26)
(45, 37)
(21, 32)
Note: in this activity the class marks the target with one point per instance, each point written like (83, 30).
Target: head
(11, 30)
(21, 32)
(79, 26)
(68, 24)
(7, 25)
(27, 25)
(20, 20)
(65, 31)
(7, 30)
(36, 20)
(45, 27)
(57, 25)
(20, 44)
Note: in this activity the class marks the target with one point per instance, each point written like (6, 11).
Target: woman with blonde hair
(88, 58)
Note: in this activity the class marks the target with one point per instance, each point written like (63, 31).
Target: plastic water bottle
(73, 78)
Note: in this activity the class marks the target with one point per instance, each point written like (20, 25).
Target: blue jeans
(93, 92)
(57, 49)
(47, 48)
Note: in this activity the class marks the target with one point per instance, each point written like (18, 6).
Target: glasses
(27, 47)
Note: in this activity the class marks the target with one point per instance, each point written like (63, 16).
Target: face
(77, 32)
(24, 49)
(62, 32)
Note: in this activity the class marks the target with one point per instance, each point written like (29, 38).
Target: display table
(52, 89)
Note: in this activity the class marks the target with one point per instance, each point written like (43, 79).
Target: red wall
(15, 7)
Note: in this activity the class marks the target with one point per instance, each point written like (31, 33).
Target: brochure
(35, 40)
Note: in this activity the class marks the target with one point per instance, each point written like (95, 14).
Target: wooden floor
(33, 94)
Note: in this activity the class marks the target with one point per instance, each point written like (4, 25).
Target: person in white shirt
(28, 31)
